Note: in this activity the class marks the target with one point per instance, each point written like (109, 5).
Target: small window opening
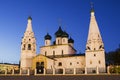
(29, 46)
(59, 64)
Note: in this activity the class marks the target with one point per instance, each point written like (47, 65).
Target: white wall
(26, 60)
(47, 42)
(94, 57)
(75, 61)
(58, 49)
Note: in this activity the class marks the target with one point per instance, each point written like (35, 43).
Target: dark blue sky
(74, 16)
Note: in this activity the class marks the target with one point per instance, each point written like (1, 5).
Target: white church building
(60, 57)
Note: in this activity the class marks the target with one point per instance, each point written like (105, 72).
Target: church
(61, 55)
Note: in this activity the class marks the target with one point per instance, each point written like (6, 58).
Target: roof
(29, 25)
(65, 34)
(70, 40)
(54, 45)
(43, 56)
(64, 56)
(61, 33)
(47, 37)
(9, 64)
(30, 17)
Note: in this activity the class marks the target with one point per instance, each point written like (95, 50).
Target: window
(29, 46)
(46, 42)
(42, 63)
(63, 40)
(90, 62)
(99, 62)
(77, 62)
(94, 54)
(100, 47)
(37, 64)
(53, 53)
(23, 46)
(45, 53)
(70, 63)
(98, 36)
(62, 52)
(29, 39)
(81, 63)
(58, 41)
(59, 64)
(33, 49)
(88, 48)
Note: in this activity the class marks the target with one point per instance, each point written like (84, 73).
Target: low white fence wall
(15, 72)
(71, 71)
(61, 71)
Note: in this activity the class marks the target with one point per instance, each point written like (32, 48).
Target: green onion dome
(70, 40)
(59, 32)
(30, 17)
(65, 34)
(48, 37)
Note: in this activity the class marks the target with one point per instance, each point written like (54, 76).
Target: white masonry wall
(95, 59)
(57, 50)
(70, 62)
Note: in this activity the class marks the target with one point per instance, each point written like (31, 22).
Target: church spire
(29, 25)
(94, 38)
(28, 46)
(92, 7)
(95, 53)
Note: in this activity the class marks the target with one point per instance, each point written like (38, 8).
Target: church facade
(61, 54)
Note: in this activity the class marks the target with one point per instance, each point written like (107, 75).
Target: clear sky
(73, 15)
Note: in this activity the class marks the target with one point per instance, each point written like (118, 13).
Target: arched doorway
(40, 67)
(60, 71)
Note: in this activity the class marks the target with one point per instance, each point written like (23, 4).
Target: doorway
(40, 67)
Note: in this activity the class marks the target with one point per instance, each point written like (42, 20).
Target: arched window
(59, 64)
(45, 53)
(23, 47)
(88, 48)
(70, 63)
(53, 53)
(58, 42)
(94, 55)
(99, 62)
(29, 46)
(37, 64)
(62, 53)
(90, 62)
(42, 63)
(33, 49)
(63, 40)
(46, 42)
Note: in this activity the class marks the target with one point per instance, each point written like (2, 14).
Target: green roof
(47, 37)
(70, 40)
(30, 17)
(61, 33)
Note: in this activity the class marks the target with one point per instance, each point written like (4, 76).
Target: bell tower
(28, 47)
(95, 53)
